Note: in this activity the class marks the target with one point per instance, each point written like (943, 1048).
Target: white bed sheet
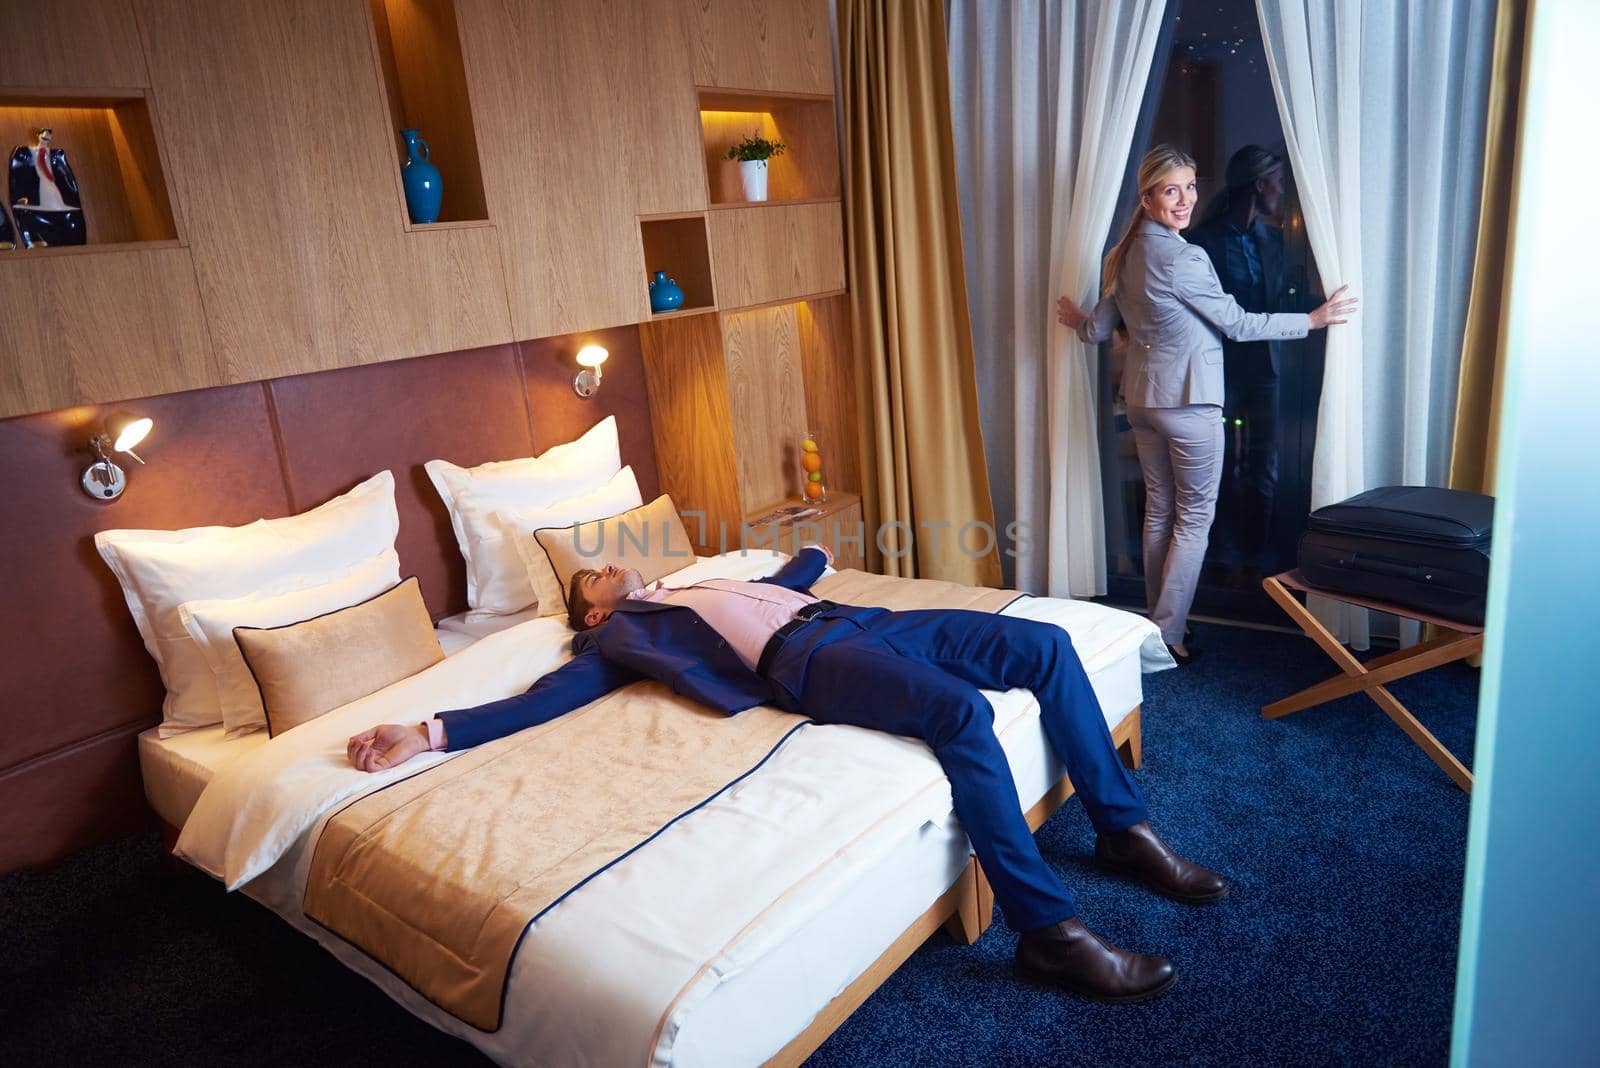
(767, 985)
(457, 632)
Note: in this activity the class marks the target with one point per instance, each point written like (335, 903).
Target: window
(1213, 97)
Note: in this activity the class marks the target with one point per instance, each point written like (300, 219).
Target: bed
(663, 958)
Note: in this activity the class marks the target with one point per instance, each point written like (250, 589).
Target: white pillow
(210, 623)
(538, 580)
(473, 494)
(161, 569)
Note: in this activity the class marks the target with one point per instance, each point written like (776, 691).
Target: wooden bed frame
(965, 911)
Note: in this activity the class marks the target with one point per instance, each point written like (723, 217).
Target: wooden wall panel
(276, 138)
(762, 44)
(656, 103)
(81, 44)
(589, 117)
(133, 132)
(830, 386)
(282, 162)
(813, 132)
(85, 328)
(762, 352)
(777, 252)
(691, 420)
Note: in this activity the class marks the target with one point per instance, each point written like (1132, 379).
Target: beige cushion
(306, 669)
(211, 624)
(650, 539)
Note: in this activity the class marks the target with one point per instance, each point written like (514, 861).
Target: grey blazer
(1169, 299)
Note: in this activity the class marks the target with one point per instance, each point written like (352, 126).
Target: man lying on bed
(733, 645)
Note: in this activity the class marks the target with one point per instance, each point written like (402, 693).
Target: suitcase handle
(1380, 565)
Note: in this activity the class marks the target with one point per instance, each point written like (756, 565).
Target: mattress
(766, 986)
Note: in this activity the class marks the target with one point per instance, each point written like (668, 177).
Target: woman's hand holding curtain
(1331, 313)
(1070, 315)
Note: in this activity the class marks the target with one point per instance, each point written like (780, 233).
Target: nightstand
(838, 525)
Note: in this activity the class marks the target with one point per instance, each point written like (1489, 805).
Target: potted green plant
(753, 153)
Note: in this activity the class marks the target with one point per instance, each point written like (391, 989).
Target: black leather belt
(805, 615)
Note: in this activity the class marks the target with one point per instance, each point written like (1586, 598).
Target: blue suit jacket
(642, 639)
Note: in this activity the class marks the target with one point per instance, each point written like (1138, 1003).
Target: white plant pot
(753, 173)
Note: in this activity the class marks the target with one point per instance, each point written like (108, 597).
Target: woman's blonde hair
(1155, 166)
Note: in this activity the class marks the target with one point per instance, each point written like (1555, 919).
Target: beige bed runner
(439, 875)
(906, 595)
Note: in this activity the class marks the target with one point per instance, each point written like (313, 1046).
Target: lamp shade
(592, 356)
(126, 430)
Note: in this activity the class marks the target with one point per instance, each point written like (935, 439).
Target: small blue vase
(665, 294)
(424, 190)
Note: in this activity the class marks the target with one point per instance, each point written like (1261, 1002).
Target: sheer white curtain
(1383, 110)
(1314, 55)
(1046, 97)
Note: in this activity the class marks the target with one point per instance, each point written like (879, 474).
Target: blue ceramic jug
(424, 190)
(665, 294)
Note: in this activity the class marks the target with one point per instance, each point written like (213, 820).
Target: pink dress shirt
(745, 614)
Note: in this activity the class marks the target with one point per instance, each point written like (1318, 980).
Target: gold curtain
(1473, 446)
(922, 450)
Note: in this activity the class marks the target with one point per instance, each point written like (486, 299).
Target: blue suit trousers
(918, 674)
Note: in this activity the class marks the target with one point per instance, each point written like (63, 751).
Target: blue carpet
(1337, 946)
(1345, 845)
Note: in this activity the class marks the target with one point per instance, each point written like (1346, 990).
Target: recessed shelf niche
(808, 170)
(110, 142)
(425, 81)
(677, 244)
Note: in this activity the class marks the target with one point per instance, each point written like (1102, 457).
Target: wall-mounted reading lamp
(590, 357)
(104, 480)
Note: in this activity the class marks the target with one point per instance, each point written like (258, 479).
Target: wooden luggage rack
(1456, 641)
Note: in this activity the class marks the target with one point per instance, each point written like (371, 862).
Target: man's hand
(387, 746)
(827, 553)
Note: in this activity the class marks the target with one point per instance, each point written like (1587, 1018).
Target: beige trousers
(1180, 453)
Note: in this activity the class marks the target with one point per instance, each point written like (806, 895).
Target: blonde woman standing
(1163, 294)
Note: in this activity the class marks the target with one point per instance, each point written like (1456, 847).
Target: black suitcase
(1417, 547)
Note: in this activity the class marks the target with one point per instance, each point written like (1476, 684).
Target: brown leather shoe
(1071, 956)
(1140, 854)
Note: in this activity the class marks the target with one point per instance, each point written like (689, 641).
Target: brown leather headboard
(78, 683)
